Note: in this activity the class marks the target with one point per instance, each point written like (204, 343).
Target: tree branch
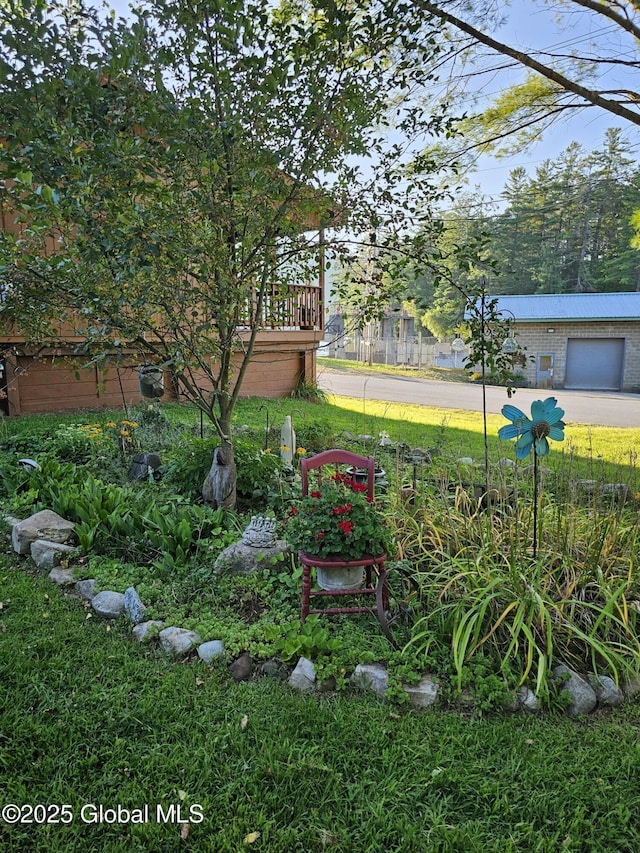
(590, 96)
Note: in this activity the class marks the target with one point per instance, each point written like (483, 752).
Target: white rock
(371, 676)
(303, 676)
(43, 525)
(86, 588)
(108, 604)
(606, 690)
(178, 641)
(424, 694)
(63, 577)
(47, 555)
(142, 631)
(527, 699)
(210, 650)
(583, 697)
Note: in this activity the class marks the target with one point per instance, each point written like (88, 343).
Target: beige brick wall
(538, 339)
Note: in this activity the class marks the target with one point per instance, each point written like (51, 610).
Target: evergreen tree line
(567, 228)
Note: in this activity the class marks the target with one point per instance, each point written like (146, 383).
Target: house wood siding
(59, 382)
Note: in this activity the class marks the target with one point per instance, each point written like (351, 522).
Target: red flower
(346, 526)
(316, 494)
(320, 534)
(359, 487)
(293, 510)
(341, 510)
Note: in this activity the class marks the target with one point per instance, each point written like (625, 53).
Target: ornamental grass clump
(337, 520)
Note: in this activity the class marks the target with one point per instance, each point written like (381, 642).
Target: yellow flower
(267, 450)
(124, 432)
(283, 447)
(110, 424)
(301, 451)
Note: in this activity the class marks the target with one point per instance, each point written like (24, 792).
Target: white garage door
(595, 363)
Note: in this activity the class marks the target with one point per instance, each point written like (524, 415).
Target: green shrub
(316, 435)
(259, 485)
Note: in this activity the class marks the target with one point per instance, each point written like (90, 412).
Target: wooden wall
(59, 383)
(55, 384)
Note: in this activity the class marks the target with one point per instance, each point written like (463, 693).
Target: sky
(532, 26)
(536, 25)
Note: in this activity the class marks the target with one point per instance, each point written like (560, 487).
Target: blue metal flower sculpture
(545, 422)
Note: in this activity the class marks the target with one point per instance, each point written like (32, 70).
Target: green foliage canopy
(167, 170)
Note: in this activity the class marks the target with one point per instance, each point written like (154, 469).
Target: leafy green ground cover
(90, 716)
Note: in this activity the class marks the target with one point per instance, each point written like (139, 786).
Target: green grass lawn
(87, 716)
(446, 374)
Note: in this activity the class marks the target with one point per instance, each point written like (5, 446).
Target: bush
(259, 482)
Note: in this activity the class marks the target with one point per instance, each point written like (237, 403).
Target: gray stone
(86, 588)
(583, 696)
(144, 466)
(242, 559)
(419, 455)
(365, 439)
(178, 641)
(465, 460)
(146, 631)
(527, 699)
(47, 555)
(424, 694)
(210, 650)
(108, 604)
(371, 676)
(63, 577)
(631, 688)
(133, 606)
(43, 525)
(242, 668)
(303, 676)
(274, 669)
(587, 487)
(618, 492)
(606, 690)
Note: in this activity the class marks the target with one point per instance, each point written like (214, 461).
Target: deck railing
(295, 307)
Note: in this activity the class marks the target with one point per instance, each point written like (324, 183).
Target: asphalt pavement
(581, 407)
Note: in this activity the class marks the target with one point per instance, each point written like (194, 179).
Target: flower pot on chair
(340, 577)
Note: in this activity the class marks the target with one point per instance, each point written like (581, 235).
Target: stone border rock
(584, 694)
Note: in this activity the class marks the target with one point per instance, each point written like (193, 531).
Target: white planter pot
(349, 577)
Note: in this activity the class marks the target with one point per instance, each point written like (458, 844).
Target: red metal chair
(374, 565)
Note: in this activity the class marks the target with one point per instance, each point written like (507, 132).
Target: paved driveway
(585, 407)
